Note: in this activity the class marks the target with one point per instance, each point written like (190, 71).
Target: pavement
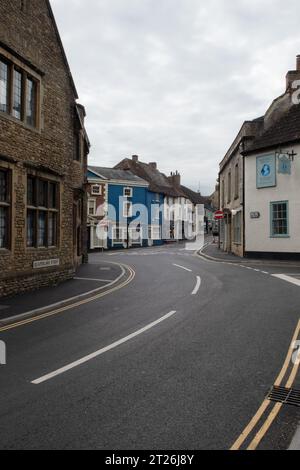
(211, 251)
(90, 279)
(182, 357)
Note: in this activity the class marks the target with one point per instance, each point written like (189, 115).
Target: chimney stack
(293, 75)
(153, 165)
(135, 158)
(175, 179)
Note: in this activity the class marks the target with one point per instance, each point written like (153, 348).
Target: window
(279, 219)
(42, 213)
(92, 206)
(229, 188)
(30, 102)
(78, 146)
(96, 190)
(237, 227)
(4, 89)
(237, 181)
(5, 200)
(18, 93)
(154, 232)
(127, 192)
(127, 209)
(223, 194)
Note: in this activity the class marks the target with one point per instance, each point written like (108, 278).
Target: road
(180, 358)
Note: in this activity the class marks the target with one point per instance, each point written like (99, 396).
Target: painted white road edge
(98, 353)
(197, 287)
(182, 267)
(286, 278)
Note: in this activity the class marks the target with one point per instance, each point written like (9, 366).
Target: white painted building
(272, 185)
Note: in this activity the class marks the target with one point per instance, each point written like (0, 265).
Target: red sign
(219, 215)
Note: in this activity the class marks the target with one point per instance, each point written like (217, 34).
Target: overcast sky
(173, 80)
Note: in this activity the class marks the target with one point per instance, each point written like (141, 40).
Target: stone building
(231, 190)
(43, 152)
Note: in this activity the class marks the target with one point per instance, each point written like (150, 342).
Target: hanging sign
(266, 171)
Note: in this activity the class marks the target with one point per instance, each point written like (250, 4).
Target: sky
(173, 80)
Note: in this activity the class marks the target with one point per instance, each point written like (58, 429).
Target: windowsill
(10, 118)
(5, 251)
(280, 236)
(41, 248)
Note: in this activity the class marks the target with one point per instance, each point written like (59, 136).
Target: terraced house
(43, 152)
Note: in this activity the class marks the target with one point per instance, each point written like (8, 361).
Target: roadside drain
(286, 396)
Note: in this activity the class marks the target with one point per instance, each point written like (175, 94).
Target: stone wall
(30, 37)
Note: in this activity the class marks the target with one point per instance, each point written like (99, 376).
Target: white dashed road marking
(182, 267)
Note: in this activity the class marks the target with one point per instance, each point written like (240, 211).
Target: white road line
(182, 267)
(286, 278)
(265, 272)
(197, 287)
(91, 279)
(98, 353)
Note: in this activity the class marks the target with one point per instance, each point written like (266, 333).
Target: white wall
(257, 231)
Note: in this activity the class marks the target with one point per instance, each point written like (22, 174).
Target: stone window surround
(16, 63)
(50, 179)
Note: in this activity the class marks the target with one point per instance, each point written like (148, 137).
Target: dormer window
(128, 192)
(96, 190)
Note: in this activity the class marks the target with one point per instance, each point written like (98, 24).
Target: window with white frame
(128, 192)
(154, 232)
(119, 234)
(127, 209)
(279, 219)
(96, 190)
(92, 207)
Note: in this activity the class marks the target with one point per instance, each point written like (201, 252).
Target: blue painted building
(128, 214)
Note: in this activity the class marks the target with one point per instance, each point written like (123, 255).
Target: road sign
(219, 215)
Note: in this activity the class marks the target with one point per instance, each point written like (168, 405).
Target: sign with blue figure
(284, 165)
(266, 171)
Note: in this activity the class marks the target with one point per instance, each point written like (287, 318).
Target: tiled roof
(196, 198)
(158, 182)
(115, 174)
(283, 131)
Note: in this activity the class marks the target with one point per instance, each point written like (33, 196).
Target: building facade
(43, 152)
(126, 215)
(176, 208)
(231, 190)
(272, 169)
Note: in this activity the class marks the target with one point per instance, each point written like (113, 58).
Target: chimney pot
(135, 158)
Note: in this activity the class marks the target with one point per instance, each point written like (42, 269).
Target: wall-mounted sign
(284, 165)
(255, 215)
(266, 171)
(47, 263)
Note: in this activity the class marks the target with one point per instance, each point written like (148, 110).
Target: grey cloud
(172, 80)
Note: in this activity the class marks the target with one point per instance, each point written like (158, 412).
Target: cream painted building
(272, 211)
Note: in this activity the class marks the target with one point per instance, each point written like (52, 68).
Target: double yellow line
(73, 305)
(266, 403)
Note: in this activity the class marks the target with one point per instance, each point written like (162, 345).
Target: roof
(285, 130)
(248, 130)
(158, 182)
(115, 174)
(196, 198)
